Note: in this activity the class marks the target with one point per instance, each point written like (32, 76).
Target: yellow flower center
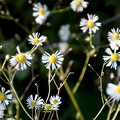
(2, 96)
(90, 24)
(20, 57)
(115, 36)
(41, 11)
(118, 89)
(36, 40)
(52, 59)
(33, 103)
(78, 2)
(47, 106)
(55, 101)
(114, 57)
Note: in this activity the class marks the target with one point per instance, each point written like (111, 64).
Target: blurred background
(19, 24)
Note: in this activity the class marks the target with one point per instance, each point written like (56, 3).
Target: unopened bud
(7, 57)
(1, 47)
(112, 75)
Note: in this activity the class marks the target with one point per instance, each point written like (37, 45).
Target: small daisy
(5, 96)
(114, 38)
(40, 12)
(64, 32)
(55, 101)
(53, 61)
(113, 91)
(114, 35)
(34, 103)
(20, 60)
(78, 5)
(36, 39)
(112, 58)
(90, 24)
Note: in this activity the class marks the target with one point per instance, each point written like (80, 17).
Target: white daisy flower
(20, 60)
(113, 91)
(64, 32)
(34, 102)
(36, 39)
(53, 61)
(55, 101)
(1, 113)
(40, 12)
(90, 24)
(112, 58)
(114, 35)
(114, 38)
(78, 5)
(5, 97)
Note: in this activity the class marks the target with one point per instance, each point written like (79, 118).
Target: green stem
(60, 10)
(49, 74)
(99, 112)
(44, 115)
(110, 111)
(116, 113)
(57, 115)
(91, 40)
(73, 101)
(82, 74)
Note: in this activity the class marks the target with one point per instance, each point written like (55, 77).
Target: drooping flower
(112, 58)
(63, 46)
(36, 39)
(64, 32)
(55, 101)
(78, 5)
(114, 38)
(20, 60)
(36, 102)
(5, 97)
(113, 91)
(90, 24)
(40, 12)
(53, 61)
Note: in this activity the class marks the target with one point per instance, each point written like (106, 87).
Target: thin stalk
(57, 115)
(49, 115)
(82, 74)
(110, 111)
(73, 100)
(116, 113)
(49, 74)
(60, 10)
